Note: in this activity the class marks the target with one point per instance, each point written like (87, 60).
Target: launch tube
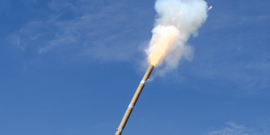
(134, 100)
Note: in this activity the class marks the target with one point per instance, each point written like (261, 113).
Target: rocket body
(134, 100)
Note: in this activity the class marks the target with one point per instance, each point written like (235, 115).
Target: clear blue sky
(71, 68)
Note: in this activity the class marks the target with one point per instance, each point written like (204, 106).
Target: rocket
(134, 100)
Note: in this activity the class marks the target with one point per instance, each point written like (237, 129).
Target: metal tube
(134, 100)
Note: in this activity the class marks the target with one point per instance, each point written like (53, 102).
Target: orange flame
(161, 47)
(161, 43)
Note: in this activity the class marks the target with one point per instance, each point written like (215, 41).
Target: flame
(210, 7)
(161, 43)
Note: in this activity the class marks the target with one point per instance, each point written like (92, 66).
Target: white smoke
(182, 18)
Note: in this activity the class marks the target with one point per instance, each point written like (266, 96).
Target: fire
(162, 41)
(210, 7)
(160, 50)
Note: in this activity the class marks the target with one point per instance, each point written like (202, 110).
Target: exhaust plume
(177, 20)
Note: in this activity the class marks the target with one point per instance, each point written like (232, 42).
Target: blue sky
(72, 67)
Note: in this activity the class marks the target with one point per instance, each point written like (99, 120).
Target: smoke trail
(177, 20)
